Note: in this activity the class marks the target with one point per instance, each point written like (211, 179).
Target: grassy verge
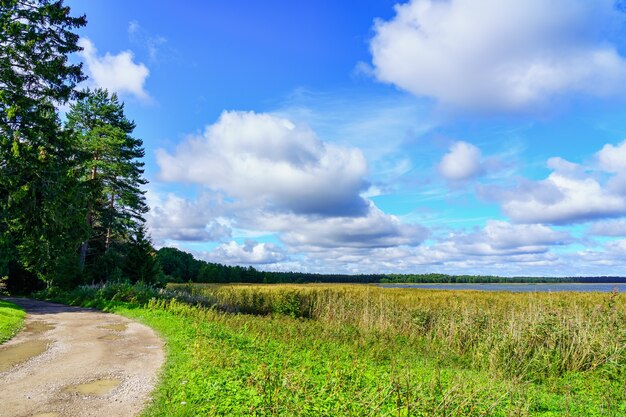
(276, 363)
(11, 320)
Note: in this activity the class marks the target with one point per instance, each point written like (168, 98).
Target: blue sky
(455, 136)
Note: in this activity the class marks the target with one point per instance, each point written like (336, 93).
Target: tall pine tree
(113, 173)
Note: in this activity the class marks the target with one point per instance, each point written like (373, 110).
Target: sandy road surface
(71, 362)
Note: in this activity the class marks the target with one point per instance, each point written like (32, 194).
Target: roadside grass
(11, 320)
(280, 363)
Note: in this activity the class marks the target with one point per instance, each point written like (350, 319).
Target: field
(362, 350)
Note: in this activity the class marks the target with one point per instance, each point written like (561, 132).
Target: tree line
(179, 266)
(71, 203)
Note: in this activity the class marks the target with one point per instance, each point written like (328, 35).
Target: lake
(576, 287)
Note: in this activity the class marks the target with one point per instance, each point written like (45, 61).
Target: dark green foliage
(20, 281)
(141, 263)
(180, 266)
(36, 38)
(94, 295)
(112, 172)
(39, 194)
(64, 192)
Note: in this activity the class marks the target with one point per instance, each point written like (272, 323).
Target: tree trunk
(107, 242)
(85, 245)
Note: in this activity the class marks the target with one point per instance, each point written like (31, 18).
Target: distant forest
(179, 266)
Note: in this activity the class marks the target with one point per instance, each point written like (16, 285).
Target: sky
(375, 136)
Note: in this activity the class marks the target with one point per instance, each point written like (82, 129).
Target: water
(517, 287)
(100, 387)
(19, 353)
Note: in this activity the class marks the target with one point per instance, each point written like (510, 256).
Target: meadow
(354, 350)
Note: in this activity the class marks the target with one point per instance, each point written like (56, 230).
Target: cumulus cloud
(373, 230)
(572, 193)
(560, 199)
(267, 160)
(177, 218)
(499, 55)
(612, 158)
(612, 228)
(462, 162)
(606, 259)
(503, 238)
(250, 253)
(118, 73)
(498, 248)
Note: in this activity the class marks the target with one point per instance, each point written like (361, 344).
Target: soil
(71, 361)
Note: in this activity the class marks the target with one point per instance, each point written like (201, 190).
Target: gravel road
(72, 361)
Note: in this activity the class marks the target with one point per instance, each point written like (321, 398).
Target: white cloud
(612, 158)
(503, 238)
(565, 167)
(572, 193)
(138, 35)
(561, 199)
(613, 228)
(498, 248)
(250, 253)
(133, 27)
(617, 248)
(266, 160)
(607, 259)
(373, 230)
(177, 218)
(499, 55)
(462, 162)
(117, 73)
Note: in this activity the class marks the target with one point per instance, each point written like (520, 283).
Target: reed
(532, 336)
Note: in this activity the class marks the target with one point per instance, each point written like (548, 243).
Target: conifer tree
(141, 263)
(39, 194)
(112, 171)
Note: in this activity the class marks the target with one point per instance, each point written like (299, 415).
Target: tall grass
(532, 336)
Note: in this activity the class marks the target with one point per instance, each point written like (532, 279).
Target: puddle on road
(99, 387)
(110, 337)
(115, 327)
(16, 354)
(38, 327)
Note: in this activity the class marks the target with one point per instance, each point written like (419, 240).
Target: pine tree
(112, 171)
(141, 263)
(39, 194)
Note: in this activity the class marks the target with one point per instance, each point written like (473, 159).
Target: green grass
(11, 320)
(360, 361)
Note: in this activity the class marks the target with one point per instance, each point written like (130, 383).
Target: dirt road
(77, 362)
